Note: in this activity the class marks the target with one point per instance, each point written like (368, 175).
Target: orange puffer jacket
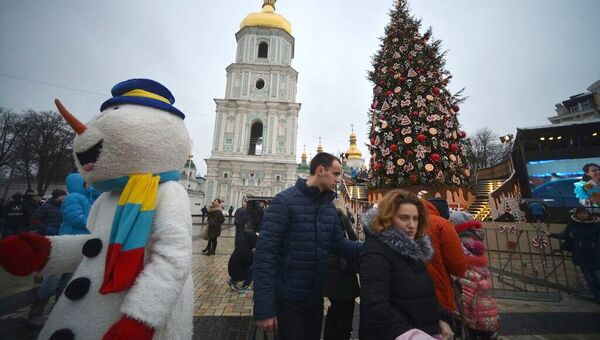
(449, 258)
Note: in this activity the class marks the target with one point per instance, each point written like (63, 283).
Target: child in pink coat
(481, 312)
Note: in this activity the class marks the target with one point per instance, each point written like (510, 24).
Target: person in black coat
(397, 292)
(215, 221)
(341, 286)
(583, 230)
(240, 223)
(255, 215)
(204, 213)
(240, 262)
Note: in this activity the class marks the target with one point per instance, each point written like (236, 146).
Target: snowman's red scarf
(131, 227)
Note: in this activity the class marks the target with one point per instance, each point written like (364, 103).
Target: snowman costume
(132, 274)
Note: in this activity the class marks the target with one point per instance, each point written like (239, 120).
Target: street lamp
(506, 138)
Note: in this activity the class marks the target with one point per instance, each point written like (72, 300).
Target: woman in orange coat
(449, 258)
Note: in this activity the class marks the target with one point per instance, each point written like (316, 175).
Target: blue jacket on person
(76, 207)
(299, 229)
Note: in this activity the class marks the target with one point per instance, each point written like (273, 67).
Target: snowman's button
(77, 288)
(92, 247)
(63, 334)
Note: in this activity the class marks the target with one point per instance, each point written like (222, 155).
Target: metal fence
(527, 264)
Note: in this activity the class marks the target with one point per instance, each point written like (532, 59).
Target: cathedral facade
(254, 144)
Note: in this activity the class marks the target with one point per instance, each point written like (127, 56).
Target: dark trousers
(592, 278)
(338, 322)
(212, 245)
(299, 319)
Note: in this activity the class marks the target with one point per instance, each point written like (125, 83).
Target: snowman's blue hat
(144, 92)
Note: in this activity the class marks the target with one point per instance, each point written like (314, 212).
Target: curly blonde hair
(389, 206)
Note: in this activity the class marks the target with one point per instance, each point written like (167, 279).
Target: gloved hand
(127, 328)
(25, 253)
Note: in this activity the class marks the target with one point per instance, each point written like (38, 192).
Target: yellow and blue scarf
(131, 227)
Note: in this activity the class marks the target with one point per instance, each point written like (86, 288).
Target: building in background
(580, 107)
(254, 143)
(194, 185)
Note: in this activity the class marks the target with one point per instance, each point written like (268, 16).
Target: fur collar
(211, 209)
(418, 250)
(594, 219)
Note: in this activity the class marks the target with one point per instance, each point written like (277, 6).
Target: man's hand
(267, 325)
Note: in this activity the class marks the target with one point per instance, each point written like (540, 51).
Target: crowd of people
(62, 214)
(304, 248)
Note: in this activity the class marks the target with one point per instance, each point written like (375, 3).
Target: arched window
(256, 139)
(263, 50)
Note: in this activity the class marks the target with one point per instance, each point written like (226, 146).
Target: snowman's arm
(160, 283)
(65, 253)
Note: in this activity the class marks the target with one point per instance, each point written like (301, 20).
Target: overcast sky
(516, 58)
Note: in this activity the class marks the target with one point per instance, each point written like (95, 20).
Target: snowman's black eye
(115, 108)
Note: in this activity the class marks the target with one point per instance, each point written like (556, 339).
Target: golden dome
(319, 147)
(267, 18)
(353, 152)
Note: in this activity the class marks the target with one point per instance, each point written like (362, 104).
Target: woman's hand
(445, 330)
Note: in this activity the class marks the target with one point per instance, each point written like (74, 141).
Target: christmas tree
(414, 130)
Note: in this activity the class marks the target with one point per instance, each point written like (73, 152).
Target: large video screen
(541, 172)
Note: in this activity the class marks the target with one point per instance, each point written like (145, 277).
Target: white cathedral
(254, 144)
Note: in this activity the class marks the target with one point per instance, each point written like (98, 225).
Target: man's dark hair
(323, 159)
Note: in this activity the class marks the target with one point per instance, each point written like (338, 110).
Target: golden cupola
(267, 18)
(353, 152)
(319, 147)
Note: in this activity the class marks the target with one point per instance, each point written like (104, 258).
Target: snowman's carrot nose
(77, 126)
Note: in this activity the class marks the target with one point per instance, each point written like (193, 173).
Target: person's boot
(205, 250)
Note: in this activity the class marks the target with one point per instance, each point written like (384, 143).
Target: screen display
(541, 172)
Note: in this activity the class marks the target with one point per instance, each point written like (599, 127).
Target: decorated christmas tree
(414, 131)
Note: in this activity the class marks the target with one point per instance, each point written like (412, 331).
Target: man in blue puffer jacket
(298, 231)
(76, 206)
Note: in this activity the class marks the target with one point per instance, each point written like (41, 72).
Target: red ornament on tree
(396, 131)
(394, 147)
(414, 114)
(421, 137)
(410, 152)
(378, 166)
(455, 108)
(410, 57)
(453, 147)
(435, 90)
(463, 134)
(413, 178)
(389, 93)
(374, 105)
(435, 157)
(372, 141)
(401, 79)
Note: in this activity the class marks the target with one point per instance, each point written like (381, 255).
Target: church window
(256, 132)
(263, 50)
(225, 175)
(277, 178)
(260, 84)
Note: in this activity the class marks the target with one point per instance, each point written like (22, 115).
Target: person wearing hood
(584, 231)
(448, 258)
(480, 309)
(75, 207)
(397, 292)
(215, 220)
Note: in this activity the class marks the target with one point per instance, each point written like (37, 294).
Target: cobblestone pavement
(221, 313)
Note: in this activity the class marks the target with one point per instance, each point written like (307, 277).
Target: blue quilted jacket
(298, 231)
(76, 207)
